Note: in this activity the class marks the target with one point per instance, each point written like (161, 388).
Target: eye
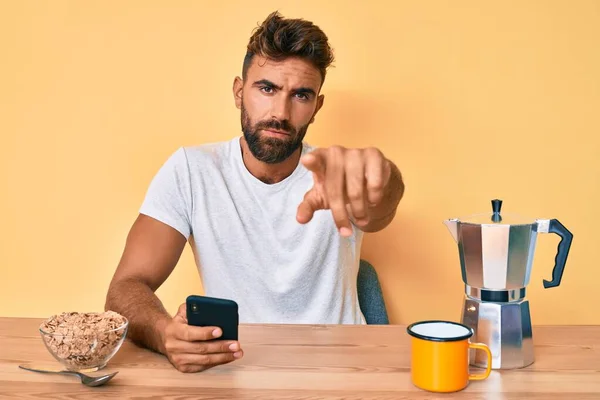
(266, 89)
(302, 96)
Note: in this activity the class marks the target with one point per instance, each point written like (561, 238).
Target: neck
(269, 173)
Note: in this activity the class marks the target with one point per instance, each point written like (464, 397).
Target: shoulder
(214, 153)
(180, 171)
(198, 159)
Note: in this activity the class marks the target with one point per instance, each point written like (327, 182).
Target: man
(274, 224)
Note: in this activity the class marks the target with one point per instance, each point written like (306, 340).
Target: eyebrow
(301, 90)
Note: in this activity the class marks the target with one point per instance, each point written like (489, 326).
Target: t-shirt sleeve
(169, 196)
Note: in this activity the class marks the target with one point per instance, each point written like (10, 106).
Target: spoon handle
(50, 371)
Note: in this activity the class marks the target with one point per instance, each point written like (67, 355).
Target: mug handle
(479, 377)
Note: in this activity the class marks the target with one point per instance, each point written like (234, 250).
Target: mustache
(277, 125)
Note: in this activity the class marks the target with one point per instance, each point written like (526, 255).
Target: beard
(271, 150)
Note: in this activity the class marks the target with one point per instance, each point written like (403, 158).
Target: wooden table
(305, 362)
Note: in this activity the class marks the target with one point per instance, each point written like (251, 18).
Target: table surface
(304, 362)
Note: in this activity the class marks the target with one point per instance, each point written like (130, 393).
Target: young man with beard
(274, 224)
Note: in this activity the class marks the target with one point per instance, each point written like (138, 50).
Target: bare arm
(151, 253)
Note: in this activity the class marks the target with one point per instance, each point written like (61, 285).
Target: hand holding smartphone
(204, 342)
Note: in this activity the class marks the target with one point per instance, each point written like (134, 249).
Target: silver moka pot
(496, 253)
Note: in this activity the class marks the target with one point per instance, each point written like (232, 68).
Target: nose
(280, 108)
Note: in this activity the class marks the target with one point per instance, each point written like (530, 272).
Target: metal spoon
(85, 379)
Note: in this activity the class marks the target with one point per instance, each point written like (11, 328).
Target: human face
(278, 100)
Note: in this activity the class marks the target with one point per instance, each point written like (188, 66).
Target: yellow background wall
(473, 100)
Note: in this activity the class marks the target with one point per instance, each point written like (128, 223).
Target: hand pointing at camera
(358, 185)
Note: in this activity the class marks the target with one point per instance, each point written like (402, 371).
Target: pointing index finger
(315, 162)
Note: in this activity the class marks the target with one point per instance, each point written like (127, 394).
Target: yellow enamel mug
(440, 356)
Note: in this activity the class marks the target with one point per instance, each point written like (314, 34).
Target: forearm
(383, 213)
(146, 314)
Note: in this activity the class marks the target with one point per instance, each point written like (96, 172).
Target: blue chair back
(370, 296)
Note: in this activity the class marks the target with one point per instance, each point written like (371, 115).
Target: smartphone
(212, 311)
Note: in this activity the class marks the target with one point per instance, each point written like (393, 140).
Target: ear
(320, 101)
(238, 86)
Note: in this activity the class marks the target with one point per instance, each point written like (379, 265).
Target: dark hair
(278, 38)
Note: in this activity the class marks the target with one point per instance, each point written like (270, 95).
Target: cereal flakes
(83, 340)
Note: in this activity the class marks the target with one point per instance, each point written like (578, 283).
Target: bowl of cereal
(84, 342)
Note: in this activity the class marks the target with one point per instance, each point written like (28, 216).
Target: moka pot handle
(566, 237)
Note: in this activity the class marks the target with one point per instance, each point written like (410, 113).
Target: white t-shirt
(247, 243)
